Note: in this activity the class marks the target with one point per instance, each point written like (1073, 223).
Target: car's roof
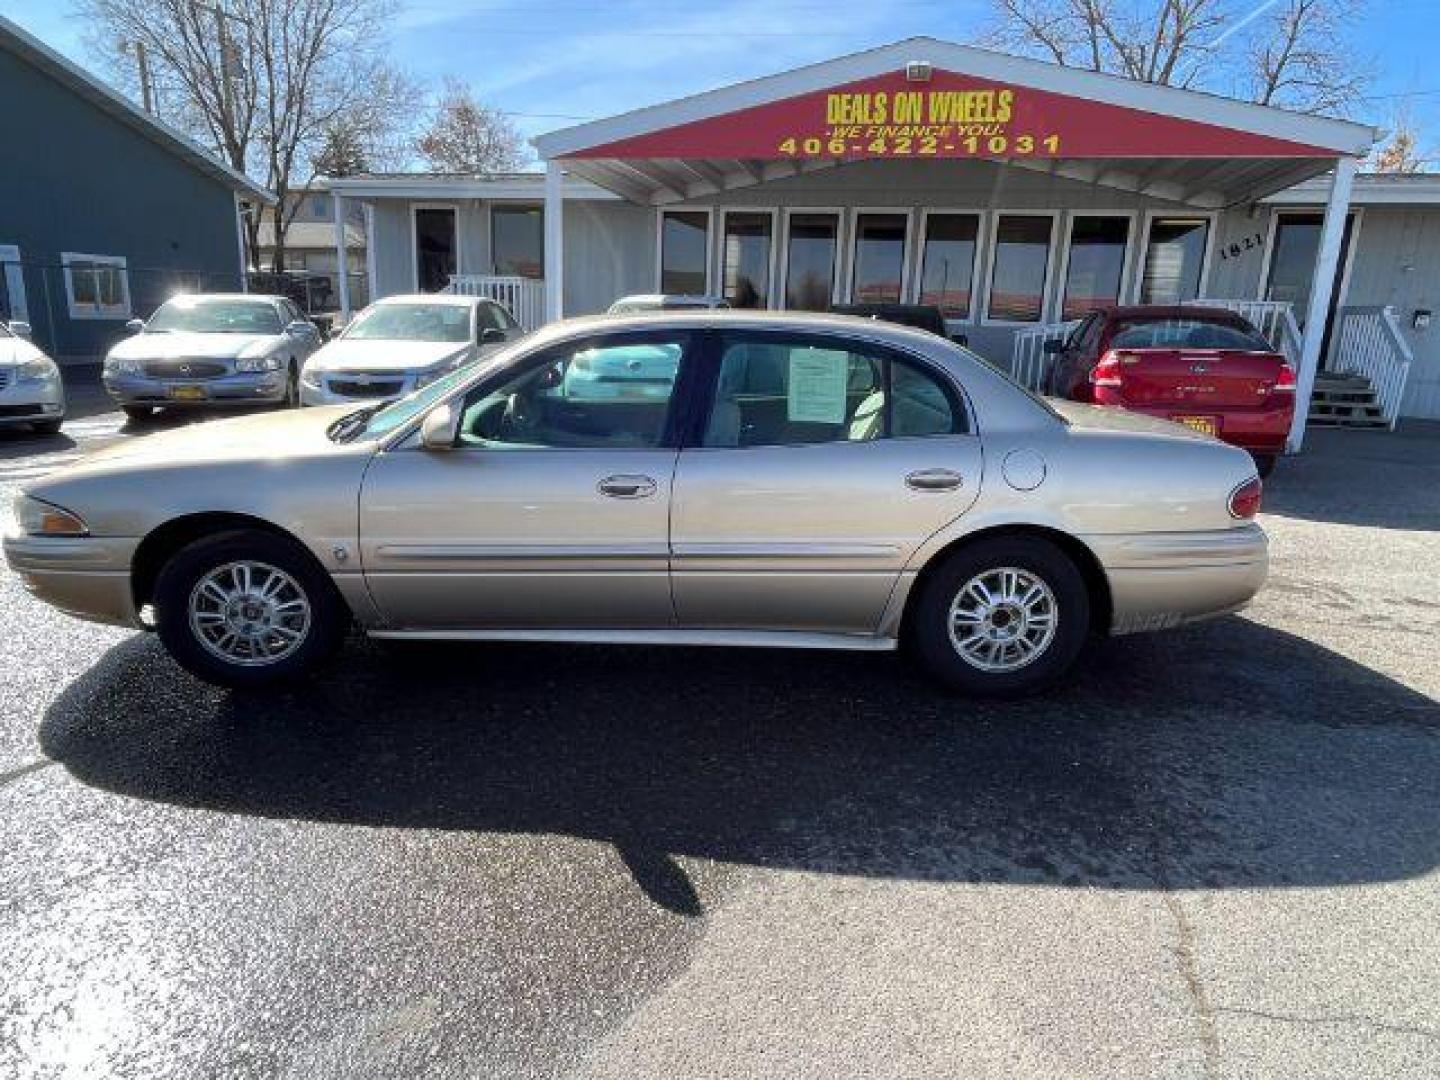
(267, 297)
(1173, 311)
(457, 299)
(673, 299)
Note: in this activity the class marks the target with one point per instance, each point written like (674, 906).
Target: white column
(240, 243)
(1331, 233)
(370, 252)
(342, 256)
(554, 242)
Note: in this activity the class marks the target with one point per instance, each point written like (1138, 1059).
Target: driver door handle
(934, 480)
(625, 486)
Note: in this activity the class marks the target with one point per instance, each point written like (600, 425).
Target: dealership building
(1014, 195)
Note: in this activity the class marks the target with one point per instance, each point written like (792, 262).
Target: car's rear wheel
(1002, 617)
(246, 608)
(1265, 464)
(137, 412)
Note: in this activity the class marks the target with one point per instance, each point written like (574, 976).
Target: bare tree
(466, 136)
(261, 81)
(1288, 53)
(1401, 152)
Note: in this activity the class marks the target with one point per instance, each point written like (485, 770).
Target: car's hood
(205, 346)
(14, 350)
(259, 438)
(343, 355)
(1103, 418)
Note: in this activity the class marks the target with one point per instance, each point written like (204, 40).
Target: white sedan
(401, 343)
(31, 391)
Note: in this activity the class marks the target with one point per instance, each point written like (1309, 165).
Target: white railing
(523, 297)
(1275, 319)
(1029, 362)
(1369, 343)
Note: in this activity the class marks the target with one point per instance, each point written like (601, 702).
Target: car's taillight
(1107, 371)
(1285, 381)
(1245, 499)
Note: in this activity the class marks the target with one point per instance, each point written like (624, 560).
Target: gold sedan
(702, 478)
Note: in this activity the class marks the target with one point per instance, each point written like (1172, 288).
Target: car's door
(494, 327)
(823, 464)
(552, 509)
(1068, 359)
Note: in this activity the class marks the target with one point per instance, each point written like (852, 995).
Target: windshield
(1186, 334)
(411, 322)
(398, 413)
(191, 314)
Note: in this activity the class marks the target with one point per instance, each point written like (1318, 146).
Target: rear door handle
(627, 487)
(934, 480)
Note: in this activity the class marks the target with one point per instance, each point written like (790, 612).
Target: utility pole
(142, 64)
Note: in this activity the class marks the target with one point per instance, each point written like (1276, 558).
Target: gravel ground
(1213, 854)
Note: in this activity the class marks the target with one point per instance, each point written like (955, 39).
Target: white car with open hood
(402, 343)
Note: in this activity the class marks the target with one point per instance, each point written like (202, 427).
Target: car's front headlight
(37, 369)
(39, 518)
(122, 365)
(253, 364)
(310, 376)
(425, 378)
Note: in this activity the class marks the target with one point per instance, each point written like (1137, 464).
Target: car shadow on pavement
(1227, 755)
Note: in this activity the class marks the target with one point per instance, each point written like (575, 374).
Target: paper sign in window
(816, 393)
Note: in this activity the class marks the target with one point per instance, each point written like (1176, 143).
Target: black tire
(1265, 464)
(137, 412)
(929, 624)
(47, 427)
(180, 577)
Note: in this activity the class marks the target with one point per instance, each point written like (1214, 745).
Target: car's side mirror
(491, 336)
(439, 428)
(19, 327)
(300, 328)
(135, 326)
(1054, 346)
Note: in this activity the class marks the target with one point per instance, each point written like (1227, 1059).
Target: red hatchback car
(1207, 368)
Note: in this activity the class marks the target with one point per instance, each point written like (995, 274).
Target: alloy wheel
(249, 613)
(1003, 619)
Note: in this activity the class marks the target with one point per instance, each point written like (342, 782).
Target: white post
(370, 252)
(1331, 233)
(342, 256)
(554, 242)
(240, 242)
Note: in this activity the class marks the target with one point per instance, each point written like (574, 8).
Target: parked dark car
(1207, 368)
(920, 316)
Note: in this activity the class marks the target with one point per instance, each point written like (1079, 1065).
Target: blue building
(104, 211)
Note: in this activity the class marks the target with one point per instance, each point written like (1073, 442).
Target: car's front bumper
(84, 576)
(1160, 580)
(29, 401)
(240, 388)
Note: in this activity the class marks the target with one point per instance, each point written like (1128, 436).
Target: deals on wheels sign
(951, 115)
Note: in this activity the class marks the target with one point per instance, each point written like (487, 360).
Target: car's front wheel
(1002, 617)
(245, 608)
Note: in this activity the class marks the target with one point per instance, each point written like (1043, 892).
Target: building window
(684, 251)
(96, 286)
(1095, 267)
(810, 257)
(1294, 250)
(878, 275)
(1174, 259)
(517, 241)
(745, 273)
(319, 207)
(1020, 268)
(947, 262)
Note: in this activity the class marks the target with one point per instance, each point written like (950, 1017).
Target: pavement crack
(23, 771)
(1368, 1021)
(1185, 955)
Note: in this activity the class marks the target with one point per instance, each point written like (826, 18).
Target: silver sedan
(213, 349)
(703, 478)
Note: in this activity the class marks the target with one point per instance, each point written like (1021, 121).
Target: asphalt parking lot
(1213, 854)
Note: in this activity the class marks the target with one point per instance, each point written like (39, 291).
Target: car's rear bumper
(1160, 580)
(84, 576)
(1262, 431)
(238, 389)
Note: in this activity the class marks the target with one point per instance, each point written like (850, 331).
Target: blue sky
(550, 62)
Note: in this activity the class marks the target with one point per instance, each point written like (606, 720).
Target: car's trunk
(1198, 379)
